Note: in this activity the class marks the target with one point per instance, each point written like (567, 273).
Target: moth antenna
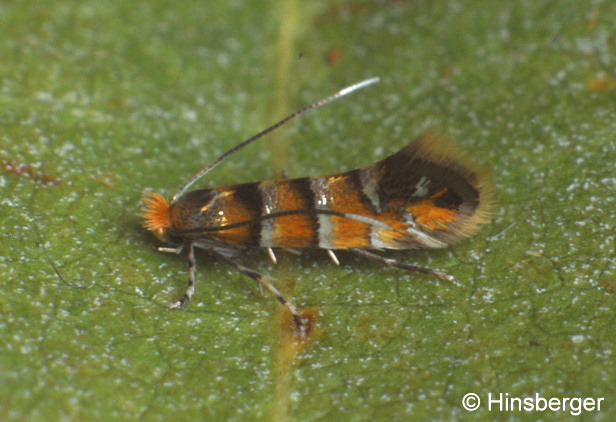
(320, 103)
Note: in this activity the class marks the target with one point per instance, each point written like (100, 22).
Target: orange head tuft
(156, 212)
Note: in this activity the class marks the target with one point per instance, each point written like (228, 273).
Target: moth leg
(190, 289)
(175, 250)
(393, 263)
(293, 251)
(264, 281)
(272, 256)
(333, 256)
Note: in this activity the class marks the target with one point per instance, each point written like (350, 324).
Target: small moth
(427, 195)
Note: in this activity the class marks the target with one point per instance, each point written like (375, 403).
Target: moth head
(156, 216)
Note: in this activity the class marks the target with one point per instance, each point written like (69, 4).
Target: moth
(429, 194)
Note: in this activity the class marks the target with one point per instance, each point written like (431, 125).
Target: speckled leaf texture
(101, 100)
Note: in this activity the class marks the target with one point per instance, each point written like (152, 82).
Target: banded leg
(264, 281)
(393, 263)
(192, 268)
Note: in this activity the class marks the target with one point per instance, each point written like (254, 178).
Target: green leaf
(106, 99)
